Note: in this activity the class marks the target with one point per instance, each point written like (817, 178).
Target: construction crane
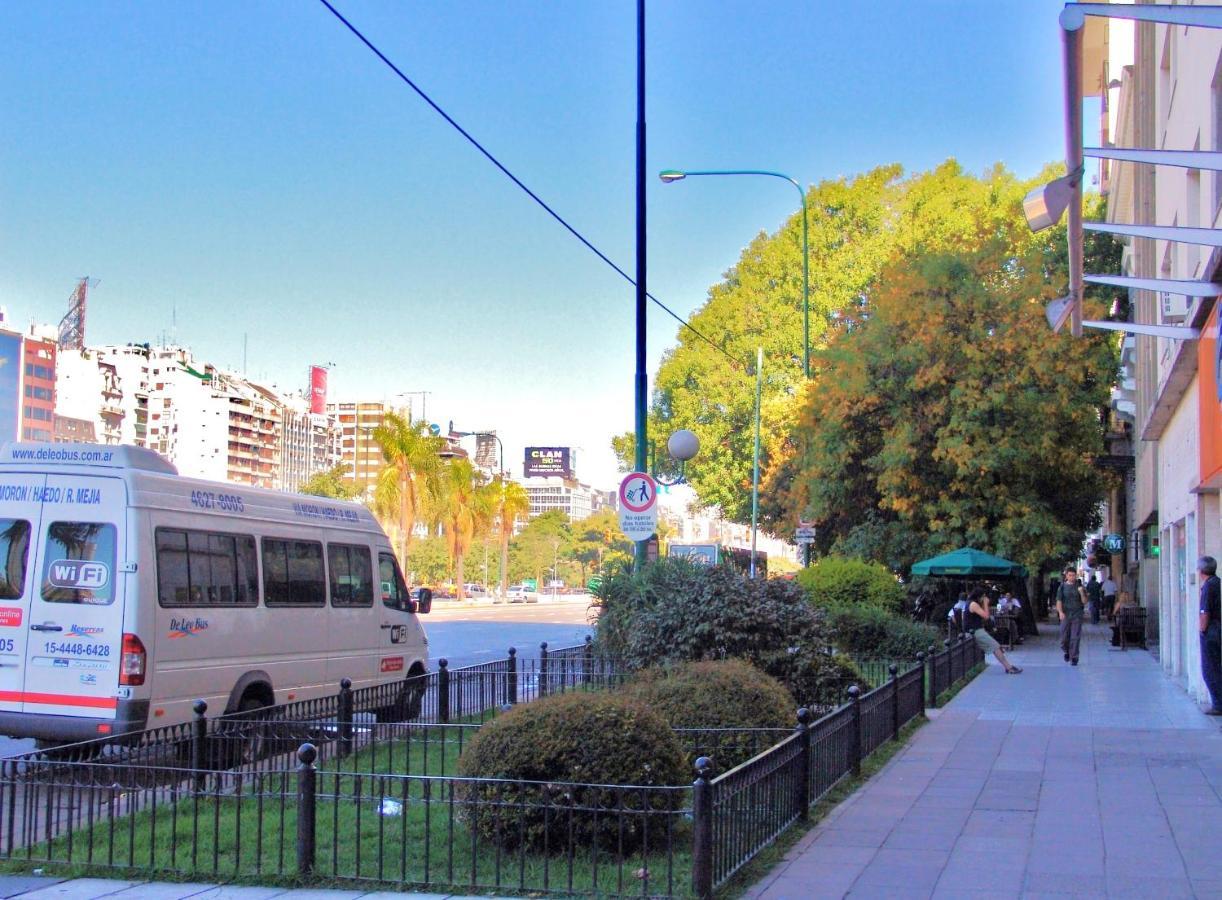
(72, 326)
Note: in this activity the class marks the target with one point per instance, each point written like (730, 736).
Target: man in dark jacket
(1071, 602)
(1210, 624)
(1094, 594)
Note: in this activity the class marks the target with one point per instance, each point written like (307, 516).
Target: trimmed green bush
(840, 581)
(572, 743)
(714, 694)
(868, 632)
(818, 680)
(673, 611)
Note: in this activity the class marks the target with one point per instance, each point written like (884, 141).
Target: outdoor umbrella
(967, 562)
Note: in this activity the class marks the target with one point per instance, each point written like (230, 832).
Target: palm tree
(511, 504)
(410, 477)
(464, 509)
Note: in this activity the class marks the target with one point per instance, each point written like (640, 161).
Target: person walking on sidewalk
(1211, 631)
(1094, 594)
(1071, 602)
(1109, 596)
(974, 620)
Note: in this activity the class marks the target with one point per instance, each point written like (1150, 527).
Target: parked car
(519, 593)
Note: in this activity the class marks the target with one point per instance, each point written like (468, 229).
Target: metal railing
(738, 814)
(327, 789)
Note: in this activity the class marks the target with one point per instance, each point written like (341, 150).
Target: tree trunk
(458, 574)
(404, 526)
(504, 560)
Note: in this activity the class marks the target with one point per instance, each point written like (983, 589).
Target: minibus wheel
(408, 700)
(244, 736)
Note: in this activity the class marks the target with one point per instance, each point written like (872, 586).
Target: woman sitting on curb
(977, 615)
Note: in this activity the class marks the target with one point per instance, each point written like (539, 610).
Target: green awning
(967, 563)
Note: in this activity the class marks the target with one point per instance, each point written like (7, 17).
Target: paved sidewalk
(34, 887)
(1103, 780)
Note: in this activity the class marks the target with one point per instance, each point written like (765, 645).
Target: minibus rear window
(80, 563)
(351, 575)
(293, 573)
(14, 548)
(201, 568)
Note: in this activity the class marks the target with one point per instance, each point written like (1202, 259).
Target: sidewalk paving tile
(239, 892)
(1102, 780)
(14, 885)
(164, 890)
(81, 889)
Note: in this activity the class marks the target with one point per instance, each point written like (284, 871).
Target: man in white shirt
(1109, 596)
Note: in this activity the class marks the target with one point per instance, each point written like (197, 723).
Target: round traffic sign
(638, 492)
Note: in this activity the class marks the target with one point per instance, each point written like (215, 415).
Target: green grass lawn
(249, 833)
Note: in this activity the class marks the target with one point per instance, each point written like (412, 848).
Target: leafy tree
(465, 509)
(430, 562)
(330, 484)
(410, 479)
(946, 413)
(545, 539)
(599, 542)
(837, 581)
(860, 228)
(759, 304)
(511, 503)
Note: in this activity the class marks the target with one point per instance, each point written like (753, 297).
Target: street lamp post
(755, 475)
(670, 176)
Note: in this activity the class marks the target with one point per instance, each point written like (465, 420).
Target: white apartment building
(1163, 89)
(88, 390)
(571, 497)
(309, 443)
(362, 458)
(131, 367)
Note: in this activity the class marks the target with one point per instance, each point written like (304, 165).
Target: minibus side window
(394, 591)
(80, 563)
(351, 575)
(200, 568)
(14, 550)
(293, 573)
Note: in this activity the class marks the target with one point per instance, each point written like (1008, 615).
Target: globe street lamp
(682, 446)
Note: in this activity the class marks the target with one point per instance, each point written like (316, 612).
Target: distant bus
(714, 554)
(127, 592)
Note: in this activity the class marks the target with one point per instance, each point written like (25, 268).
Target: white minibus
(127, 592)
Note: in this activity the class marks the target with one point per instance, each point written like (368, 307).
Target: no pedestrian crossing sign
(638, 506)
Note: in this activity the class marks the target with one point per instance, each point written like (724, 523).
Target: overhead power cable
(514, 178)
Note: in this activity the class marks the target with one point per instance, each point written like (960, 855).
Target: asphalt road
(476, 633)
(464, 636)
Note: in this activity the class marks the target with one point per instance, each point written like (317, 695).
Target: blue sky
(249, 169)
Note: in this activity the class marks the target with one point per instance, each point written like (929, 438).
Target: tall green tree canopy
(945, 413)
(759, 304)
(860, 227)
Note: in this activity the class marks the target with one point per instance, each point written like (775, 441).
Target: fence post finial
(702, 829)
(345, 717)
(306, 805)
(855, 730)
(199, 740)
(804, 763)
(443, 691)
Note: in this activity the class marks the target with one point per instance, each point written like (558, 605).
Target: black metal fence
(332, 789)
(738, 814)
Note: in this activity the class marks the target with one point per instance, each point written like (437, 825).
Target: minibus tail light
(132, 662)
